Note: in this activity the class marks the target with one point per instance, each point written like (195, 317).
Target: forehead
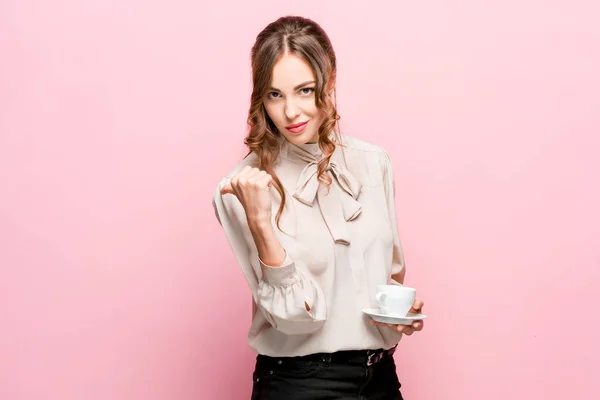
(289, 71)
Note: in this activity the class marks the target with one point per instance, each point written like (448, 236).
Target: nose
(291, 110)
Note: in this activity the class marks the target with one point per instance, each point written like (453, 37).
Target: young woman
(311, 219)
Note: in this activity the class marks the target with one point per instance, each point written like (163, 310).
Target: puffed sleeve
(281, 293)
(390, 192)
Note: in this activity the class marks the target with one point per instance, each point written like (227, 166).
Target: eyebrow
(295, 88)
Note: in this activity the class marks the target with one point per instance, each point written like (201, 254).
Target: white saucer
(378, 316)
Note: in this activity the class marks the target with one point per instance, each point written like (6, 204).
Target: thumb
(227, 189)
(418, 305)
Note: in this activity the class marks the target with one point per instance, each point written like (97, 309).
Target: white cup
(395, 300)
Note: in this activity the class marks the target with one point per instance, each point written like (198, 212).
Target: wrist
(259, 223)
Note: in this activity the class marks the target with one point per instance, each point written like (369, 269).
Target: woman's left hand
(417, 308)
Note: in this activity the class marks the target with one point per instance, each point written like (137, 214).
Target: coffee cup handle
(380, 297)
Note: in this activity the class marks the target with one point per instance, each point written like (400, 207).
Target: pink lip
(297, 128)
(298, 125)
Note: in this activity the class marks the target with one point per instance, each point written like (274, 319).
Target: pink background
(117, 119)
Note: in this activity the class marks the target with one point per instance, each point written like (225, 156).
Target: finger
(257, 178)
(260, 181)
(247, 178)
(417, 325)
(265, 181)
(252, 173)
(227, 189)
(405, 329)
(243, 172)
(418, 305)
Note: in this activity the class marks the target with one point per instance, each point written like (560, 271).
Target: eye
(272, 95)
(307, 90)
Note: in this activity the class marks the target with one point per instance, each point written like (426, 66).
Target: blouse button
(270, 372)
(279, 362)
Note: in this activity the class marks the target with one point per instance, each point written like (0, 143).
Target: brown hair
(307, 40)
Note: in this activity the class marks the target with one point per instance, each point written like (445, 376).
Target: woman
(310, 217)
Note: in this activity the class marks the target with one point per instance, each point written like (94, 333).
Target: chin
(303, 138)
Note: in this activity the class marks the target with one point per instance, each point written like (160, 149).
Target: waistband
(362, 357)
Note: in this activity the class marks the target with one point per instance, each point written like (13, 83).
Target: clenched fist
(252, 188)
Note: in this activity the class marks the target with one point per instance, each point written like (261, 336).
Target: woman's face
(290, 102)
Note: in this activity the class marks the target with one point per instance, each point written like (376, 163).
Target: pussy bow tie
(338, 203)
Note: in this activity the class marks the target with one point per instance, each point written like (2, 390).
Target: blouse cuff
(283, 274)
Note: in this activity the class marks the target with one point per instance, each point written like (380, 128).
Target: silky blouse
(340, 243)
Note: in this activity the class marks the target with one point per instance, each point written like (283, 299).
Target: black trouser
(356, 374)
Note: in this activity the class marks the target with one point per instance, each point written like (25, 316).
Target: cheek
(273, 112)
(310, 108)
(318, 115)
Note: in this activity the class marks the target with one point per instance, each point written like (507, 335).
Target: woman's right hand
(252, 188)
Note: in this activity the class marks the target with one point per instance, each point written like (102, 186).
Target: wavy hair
(307, 40)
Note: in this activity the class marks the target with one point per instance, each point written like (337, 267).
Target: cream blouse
(341, 242)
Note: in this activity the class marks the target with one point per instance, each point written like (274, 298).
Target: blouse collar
(339, 203)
